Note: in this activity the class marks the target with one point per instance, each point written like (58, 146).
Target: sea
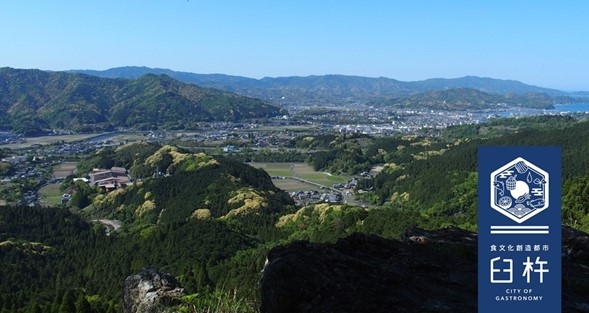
(572, 107)
(559, 109)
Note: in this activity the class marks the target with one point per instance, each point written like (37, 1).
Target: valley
(209, 201)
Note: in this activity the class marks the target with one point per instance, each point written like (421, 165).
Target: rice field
(275, 169)
(50, 195)
(64, 169)
(48, 140)
(292, 176)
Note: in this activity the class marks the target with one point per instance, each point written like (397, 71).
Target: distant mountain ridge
(327, 88)
(474, 99)
(32, 100)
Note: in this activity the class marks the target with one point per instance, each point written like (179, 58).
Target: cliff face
(426, 271)
(150, 291)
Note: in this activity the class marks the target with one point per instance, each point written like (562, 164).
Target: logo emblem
(519, 190)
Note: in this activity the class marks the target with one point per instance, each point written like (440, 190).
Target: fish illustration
(522, 199)
(536, 203)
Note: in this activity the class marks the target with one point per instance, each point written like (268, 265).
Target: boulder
(150, 291)
(424, 271)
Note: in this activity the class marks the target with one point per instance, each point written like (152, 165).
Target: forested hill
(206, 219)
(328, 88)
(444, 184)
(33, 100)
(474, 99)
(174, 186)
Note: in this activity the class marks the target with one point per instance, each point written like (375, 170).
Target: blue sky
(544, 43)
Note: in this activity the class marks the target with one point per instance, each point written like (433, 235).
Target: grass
(48, 140)
(324, 177)
(51, 195)
(274, 169)
(291, 185)
(64, 169)
(285, 173)
(299, 170)
(6, 188)
(216, 302)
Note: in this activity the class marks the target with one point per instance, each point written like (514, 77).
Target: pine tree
(56, 302)
(203, 280)
(68, 304)
(35, 308)
(111, 308)
(82, 305)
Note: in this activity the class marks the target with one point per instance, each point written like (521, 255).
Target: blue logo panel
(519, 229)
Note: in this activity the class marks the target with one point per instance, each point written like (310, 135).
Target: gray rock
(150, 291)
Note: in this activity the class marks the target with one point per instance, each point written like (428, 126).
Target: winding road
(110, 225)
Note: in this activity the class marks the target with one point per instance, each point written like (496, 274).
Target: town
(26, 164)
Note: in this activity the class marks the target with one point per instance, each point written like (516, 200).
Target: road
(110, 225)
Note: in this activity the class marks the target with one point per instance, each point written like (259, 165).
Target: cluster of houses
(314, 196)
(22, 168)
(229, 136)
(9, 137)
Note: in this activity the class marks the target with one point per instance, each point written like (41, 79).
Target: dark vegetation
(54, 258)
(52, 254)
(211, 220)
(505, 126)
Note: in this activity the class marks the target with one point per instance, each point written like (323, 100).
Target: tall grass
(216, 302)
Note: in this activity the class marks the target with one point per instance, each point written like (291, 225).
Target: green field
(64, 169)
(291, 185)
(49, 140)
(51, 195)
(301, 171)
(275, 169)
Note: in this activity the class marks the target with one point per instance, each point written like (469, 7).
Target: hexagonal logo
(519, 190)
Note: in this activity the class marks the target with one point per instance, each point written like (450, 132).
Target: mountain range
(469, 99)
(324, 89)
(33, 100)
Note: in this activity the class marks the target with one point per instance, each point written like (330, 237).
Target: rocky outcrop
(575, 270)
(425, 271)
(150, 291)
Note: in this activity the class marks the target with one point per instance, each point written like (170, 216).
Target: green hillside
(173, 186)
(474, 99)
(32, 101)
(443, 186)
(210, 221)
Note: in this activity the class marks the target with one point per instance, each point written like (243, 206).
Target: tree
(68, 304)
(82, 305)
(34, 308)
(83, 195)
